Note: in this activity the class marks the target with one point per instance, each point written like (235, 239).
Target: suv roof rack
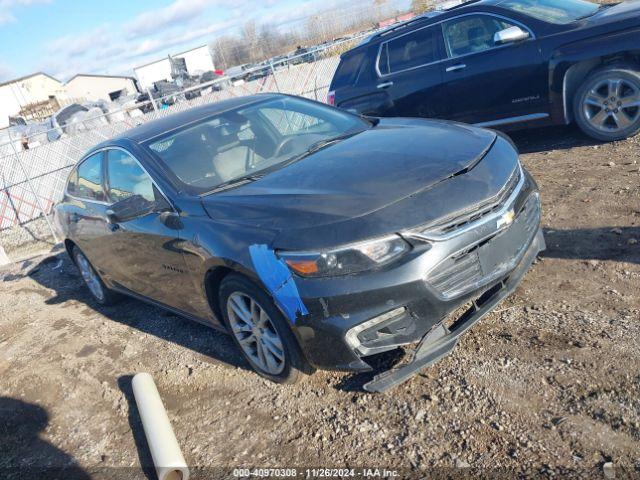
(439, 10)
(408, 23)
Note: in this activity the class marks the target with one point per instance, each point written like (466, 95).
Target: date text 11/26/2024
(315, 473)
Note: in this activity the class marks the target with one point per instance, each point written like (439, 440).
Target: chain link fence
(33, 171)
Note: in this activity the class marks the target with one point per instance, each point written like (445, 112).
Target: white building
(198, 60)
(100, 87)
(21, 92)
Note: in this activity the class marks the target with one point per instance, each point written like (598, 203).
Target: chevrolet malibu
(315, 237)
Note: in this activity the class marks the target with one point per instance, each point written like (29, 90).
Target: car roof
(171, 122)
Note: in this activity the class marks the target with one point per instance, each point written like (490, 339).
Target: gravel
(547, 385)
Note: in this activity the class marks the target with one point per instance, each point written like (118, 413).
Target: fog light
(352, 335)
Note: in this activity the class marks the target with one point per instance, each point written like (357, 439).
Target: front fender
(571, 63)
(208, 245)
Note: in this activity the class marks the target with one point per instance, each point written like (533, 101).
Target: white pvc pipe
(167, 457)
(4, 260)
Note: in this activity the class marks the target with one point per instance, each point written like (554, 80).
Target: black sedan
(315, 237)
(504, 63)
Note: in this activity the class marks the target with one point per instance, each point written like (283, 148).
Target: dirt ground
(548, 384)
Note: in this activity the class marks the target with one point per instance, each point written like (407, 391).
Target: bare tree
(257, 42)
(420, 6)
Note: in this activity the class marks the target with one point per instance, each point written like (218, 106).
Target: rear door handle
(74, 218)
(455, 68)
(385, 85)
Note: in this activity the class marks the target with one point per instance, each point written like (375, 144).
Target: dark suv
(504, 63)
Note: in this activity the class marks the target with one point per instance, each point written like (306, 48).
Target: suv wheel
(607, 105)
(261, 331)
(92, 280)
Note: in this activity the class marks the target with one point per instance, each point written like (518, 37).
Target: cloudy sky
(64, 37)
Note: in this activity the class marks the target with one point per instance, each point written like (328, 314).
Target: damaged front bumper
(350, 318)
(443, 339)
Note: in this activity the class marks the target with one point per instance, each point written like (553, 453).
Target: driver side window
(472, 34)
(126, 178)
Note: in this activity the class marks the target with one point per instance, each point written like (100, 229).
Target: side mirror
(510, 35)
(130, 208)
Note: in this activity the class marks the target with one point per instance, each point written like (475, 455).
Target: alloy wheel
(90, 277)
(612, 105)
(255, 332)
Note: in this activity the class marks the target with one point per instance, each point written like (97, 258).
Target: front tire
(260, 331)
(607, 105)
(99, 291)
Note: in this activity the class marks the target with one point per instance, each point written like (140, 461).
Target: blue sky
(64, 37)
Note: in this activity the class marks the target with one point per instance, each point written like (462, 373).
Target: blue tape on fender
(277, 277)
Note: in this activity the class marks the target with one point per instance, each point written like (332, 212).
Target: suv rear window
(348, 70)
(409, 51)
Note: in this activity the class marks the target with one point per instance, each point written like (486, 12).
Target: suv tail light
(331, 98)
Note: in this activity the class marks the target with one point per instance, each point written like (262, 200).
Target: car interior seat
(190, 156)
(477, 39)
(411, 51)
(234, 157)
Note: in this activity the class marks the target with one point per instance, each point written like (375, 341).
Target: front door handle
(455, 68)
(385, 85)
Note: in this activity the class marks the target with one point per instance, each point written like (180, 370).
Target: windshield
(245, 143)
(553, 11)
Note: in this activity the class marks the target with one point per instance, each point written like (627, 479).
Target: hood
(357, 178)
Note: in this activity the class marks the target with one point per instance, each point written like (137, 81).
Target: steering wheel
(281, 146)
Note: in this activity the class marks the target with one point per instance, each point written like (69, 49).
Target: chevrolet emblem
(506, 219)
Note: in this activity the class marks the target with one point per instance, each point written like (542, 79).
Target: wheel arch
(575, 75)
(212, 280)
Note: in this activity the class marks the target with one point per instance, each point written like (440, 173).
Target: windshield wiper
(236, 182)
(315, 147)
(374, 121)
(329, 141)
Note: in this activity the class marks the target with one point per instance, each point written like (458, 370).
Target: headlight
(348, 259)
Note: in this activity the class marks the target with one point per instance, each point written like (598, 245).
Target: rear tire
(99, 291)
(607, 105)
(261, 331)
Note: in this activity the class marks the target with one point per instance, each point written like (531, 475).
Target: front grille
(463, 272)
(479, 212)
(455, 273)
(530, 214)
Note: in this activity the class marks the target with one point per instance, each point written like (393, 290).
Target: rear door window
(409, 51)
(72, 183)
(87, 182)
